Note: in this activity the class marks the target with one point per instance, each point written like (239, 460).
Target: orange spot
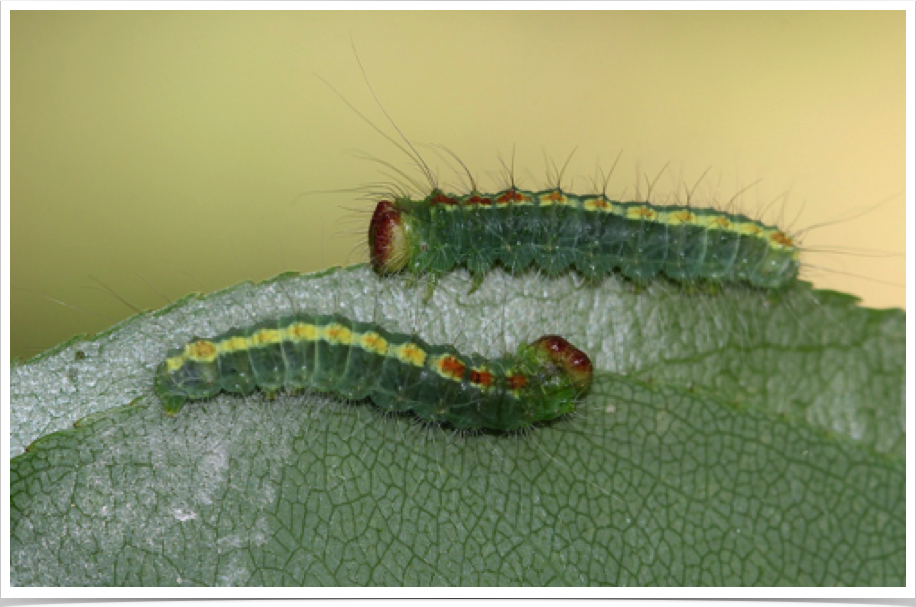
(440, 198)
(261, 337)
(202, 349)
(645, 212)
(510, 196)
(302, 331)
(452, 367)
(475, 199)
(722, 222)
(482, 378)
(601, 203)
(517, 382)
(684, 216)
(783, 239)
(555, 196)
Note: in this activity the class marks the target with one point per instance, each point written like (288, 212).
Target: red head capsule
(574, 362)
(388, 247)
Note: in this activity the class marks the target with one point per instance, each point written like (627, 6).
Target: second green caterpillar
(541, 381)
(554, 231)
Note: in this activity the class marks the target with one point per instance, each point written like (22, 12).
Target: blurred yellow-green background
(167, 152)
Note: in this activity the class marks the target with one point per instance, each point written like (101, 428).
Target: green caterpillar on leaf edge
(555, 231)
(540, 382)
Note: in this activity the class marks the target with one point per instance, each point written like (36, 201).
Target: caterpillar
(555, 230)
(331, 353)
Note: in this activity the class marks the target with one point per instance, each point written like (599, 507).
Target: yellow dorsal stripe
(705, 218)
(207, 351)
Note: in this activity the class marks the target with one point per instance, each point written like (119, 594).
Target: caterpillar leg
(476, 281)
(431, 284)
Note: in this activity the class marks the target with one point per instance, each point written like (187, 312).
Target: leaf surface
(729, 439)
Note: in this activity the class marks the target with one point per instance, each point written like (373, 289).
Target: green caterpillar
(540, 382)
(554, 231)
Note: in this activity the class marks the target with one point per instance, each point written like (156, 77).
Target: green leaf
(729, 439)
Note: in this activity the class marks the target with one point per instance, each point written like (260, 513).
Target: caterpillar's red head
(555, 374)
(388, 245)
(574, 363)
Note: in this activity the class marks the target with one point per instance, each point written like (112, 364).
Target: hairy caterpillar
(330, 353)
(555, 230)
